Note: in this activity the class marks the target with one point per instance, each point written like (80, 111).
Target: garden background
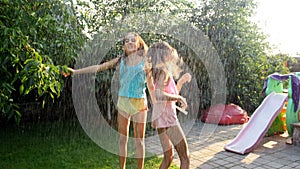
(40, 38)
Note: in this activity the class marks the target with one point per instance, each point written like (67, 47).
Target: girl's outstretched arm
(94, 68)
(183, 79)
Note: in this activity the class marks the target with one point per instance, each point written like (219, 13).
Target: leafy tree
(35, 37)
(242, 47)
(102, 18)
(103, 12)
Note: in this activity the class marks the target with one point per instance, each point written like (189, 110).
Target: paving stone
(209, 153)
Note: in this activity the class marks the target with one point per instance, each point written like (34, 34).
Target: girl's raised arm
(183, 79)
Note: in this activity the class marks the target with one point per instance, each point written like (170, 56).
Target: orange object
(283, 116)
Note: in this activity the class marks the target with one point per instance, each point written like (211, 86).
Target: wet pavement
(207, 149)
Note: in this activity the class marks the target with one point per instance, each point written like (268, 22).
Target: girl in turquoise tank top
(160, 73)
(132, 102)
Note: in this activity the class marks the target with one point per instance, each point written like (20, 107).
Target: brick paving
(209, 153)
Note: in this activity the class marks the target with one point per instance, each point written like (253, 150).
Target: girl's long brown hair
(157, 54)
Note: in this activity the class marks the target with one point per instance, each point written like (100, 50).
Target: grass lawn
(57, 145)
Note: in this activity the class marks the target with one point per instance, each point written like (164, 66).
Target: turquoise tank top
(132, 80)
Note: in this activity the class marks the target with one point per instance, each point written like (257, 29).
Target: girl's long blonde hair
(143, 47)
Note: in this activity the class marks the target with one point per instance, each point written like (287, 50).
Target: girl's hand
(68, 73)
(183, 102)
(186, 77)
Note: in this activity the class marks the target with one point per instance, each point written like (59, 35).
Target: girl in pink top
(162, 68)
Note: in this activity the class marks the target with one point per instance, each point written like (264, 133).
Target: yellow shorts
(132, 105)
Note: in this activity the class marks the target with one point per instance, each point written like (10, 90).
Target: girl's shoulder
(118, 61)
(161, 75)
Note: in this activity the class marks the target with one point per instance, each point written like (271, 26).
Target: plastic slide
(253, 132)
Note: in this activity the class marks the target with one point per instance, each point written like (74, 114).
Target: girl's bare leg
(167, 148)
(183, 153)
(123, 129)
(179, 141)
(139, 126)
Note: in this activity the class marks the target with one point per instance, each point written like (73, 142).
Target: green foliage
(241, 46)
(35, 36)
(106, 12)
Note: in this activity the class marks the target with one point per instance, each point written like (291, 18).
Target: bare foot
(289, 141)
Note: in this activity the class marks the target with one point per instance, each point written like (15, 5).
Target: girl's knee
(185, 158)
(139, 142)
(168, 159)
(140, 148)
(123, 140)
(169, 156)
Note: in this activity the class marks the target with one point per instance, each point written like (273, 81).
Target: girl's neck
(132, 55)
(133, 59)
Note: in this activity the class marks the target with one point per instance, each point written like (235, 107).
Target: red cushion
(225, 115)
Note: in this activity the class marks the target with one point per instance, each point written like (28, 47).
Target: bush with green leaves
(242, 47)
(36, 37)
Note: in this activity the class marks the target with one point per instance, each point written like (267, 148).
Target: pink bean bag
(225, 115)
